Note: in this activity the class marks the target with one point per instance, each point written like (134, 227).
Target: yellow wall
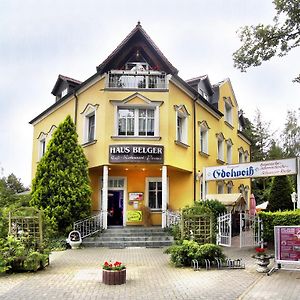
(179, 159)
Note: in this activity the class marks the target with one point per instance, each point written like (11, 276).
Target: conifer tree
(280, 194)
(61, 184)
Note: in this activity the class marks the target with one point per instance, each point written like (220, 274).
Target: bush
(271, 219)
(21, 255)
(183, 254)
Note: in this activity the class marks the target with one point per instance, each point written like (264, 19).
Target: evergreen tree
(280, 194)
(61, 184)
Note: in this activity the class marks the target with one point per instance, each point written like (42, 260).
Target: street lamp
(294, 198)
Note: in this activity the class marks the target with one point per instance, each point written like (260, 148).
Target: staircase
(118, 237)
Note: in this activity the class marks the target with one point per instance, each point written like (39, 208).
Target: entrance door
(115, 208)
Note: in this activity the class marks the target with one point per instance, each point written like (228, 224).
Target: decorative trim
(245, 139)
(89, 143)
(181, 144)
(229, 125)
(204, 154)
(146, 138)
(203, 124)
(219, 161)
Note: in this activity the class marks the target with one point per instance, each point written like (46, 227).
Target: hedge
(279, 218)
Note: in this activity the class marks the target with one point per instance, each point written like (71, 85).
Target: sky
(41, 39)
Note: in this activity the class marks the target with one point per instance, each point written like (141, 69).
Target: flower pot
(263, 261)
(114, 277)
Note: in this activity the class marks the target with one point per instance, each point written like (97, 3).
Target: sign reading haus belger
(136, 154)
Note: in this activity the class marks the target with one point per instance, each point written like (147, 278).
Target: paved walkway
(76, 274)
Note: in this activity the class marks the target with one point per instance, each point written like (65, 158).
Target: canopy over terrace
(233, 202)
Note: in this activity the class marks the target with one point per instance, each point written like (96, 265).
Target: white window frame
(202, 187)
(154, 179)
(220, 187)
(182, 115)
(229, 186)
(241, 155)
(42, 145)
(246, 156)
(204, 128)
(220, 146)
(64, 92)
(89, 111)
(228, 111)
(136, 118)
(229, 145)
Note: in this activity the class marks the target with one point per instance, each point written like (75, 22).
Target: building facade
(147, 133)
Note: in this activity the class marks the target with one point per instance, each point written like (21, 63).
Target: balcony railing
(137, 79)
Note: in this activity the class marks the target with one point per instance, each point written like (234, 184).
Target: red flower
(260, 250)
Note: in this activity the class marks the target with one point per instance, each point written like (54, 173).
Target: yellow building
(147, 133)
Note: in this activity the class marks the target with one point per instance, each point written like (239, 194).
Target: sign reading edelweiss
(136, 154)
(255, 169)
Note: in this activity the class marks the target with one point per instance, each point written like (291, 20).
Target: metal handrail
(173, 218)
(89, 226)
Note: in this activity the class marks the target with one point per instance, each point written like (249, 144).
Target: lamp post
(294, 198)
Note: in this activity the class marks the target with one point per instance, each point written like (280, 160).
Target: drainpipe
(195, 147)
(76, 108)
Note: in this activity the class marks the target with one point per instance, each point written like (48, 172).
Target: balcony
(153, 80)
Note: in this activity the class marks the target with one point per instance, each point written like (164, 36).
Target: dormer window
(64, 92)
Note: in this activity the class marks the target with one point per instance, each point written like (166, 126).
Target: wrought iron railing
(137, 80)
(89, 226)
(173, 218)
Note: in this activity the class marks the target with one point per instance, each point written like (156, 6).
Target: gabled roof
(137, 37)
(62, 78)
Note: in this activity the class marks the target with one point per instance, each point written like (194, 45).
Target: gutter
(76, 108)
(195, 146)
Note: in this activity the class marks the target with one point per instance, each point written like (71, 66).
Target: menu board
(287, 244)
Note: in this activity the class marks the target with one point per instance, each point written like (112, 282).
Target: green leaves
(262, 42)
(61, 185)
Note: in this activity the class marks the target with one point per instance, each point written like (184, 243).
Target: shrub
(271, 219)
(183, 254)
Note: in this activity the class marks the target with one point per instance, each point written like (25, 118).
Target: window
(89, 119)
(42, 145)
(136, 121)
(91, 127)
(241, 155)
(220, 187)
(229, 187)
(220, 149)
(228, 111)
(204, 137)
(181, 124)
(154, 193)
(246, 156)
(64, 92)
(203, 188)
(229, 151)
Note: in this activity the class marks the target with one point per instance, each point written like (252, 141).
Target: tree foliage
(262, 42)
(291, 135)
(61, 184)
(280, 194)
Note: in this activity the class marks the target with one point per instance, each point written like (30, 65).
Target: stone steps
(151, 237)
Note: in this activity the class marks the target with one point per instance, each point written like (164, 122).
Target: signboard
(253, 169)
(135, 196)
(134, 216)
(136, 154)
(287, 244)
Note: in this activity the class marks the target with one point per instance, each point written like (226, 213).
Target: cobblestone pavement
(76, 274)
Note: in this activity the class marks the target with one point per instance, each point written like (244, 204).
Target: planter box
(114, 277)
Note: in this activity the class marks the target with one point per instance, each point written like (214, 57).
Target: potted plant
(113, 273)
(263, 259)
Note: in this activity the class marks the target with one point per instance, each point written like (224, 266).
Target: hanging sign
(287, 244)
(253, 169)
(136, 154)
(135, 196)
